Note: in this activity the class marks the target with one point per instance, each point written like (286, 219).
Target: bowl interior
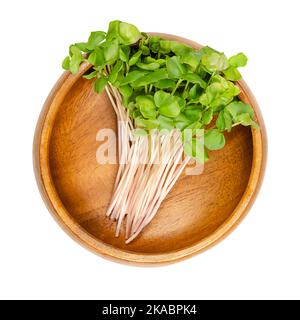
(196, 206)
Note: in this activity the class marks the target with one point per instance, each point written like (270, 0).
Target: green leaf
(113, 30)
(175, 67)
(132, 76)
(215, 62)
(131, 106)
(192, 59)
(66, 63)
(82, 46)
(227, 88)
(110, 51)
(146, 123)
(151, 77)
(237, 107)
(224, 121)
(92, 57)
(154, 44)
(181, 102)
(124, 32)
(193, 112)
(207, 116)
(96, 57)
(164, 46)
(212, 91)
(73, 49)
(195, 148)
(244, 119)
(194, 78)
(165, 123)
(100, 84)
(194, 92)
(135, 58)
(214, 139)
(124, 52)
(90, 75)
(232, 74)
(181, 122)
(145, 49)
(146, 106)
(129, 33)
(171, 110)
(135, 113)
(195, 126)
(207, 51)
(75, 62)
(219, 94)
(148, 66)
(157, 75)
(180, 49)
(126, 92)
(115, 70)
(95, 38)
(239, 60)
(168, 105)
(165, 84)
(149, 59)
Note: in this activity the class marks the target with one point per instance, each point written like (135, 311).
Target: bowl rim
(68, 223)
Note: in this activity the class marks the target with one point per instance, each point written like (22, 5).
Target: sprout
(159, 89)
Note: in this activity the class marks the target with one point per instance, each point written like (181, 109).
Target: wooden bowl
(199, 211)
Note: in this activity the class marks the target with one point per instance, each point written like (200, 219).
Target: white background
(261, 259)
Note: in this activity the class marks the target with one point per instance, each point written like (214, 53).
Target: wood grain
(198, 212)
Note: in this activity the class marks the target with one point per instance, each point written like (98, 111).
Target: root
(149, 166)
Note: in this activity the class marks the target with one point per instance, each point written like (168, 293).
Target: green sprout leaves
(125, 33)
(147, 106)
(215, 62)
(193, 112)
(96, 57)
(232, 73)
(175, 68)
(166, 84)
(100, 84)
(241, 113)
(66, 63)
(115, 71)
(168, 105)
(128, 33)
(110, 51)
(239, 60)
(148, 66)
(94, 40)
(194, 146)
(75, 59)
(214, 139)
(135, 58)
(224, 121)
(236, 108)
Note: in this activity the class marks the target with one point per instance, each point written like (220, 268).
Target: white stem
(141, 187)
